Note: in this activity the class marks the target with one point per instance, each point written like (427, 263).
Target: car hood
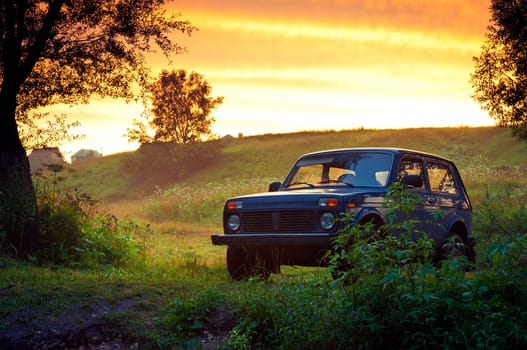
(302, 198)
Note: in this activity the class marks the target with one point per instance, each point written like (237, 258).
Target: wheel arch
(372, 216)
(459, 228)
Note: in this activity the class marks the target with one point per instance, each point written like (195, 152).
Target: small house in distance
(85, 154)
(41, 158)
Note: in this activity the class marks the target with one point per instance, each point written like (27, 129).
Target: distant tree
(180, 111)
(63, 51)
(500, 76)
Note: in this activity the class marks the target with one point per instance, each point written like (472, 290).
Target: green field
(177, 292)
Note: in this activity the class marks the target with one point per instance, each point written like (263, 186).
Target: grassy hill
(474, 150)
(168, 183)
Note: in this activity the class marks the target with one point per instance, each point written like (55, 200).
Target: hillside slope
(270, 156)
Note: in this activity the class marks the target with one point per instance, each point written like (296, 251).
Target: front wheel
(243, 263)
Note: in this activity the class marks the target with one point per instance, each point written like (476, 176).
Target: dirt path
(79, 326)
(93, 326)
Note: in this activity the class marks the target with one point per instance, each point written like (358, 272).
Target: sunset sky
(286, 66)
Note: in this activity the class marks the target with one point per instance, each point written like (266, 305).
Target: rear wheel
(243, 263)
(454, 247)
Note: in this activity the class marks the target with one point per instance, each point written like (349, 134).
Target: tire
(243, 263)
(453, 247)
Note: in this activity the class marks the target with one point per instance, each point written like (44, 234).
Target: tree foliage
(64, 51)
(70, 50)
(500, 76)
(40, 130)
(180, 111)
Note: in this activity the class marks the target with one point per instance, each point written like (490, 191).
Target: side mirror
(274, 186)
(412, 180)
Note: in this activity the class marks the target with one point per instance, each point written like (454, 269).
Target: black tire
(453, 247)
(243, 263)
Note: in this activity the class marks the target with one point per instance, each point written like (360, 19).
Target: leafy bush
(500, 215)
(501, 222)
(108, 241)
(73, 233)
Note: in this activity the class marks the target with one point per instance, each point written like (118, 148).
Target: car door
(423, 210)
(443, 194)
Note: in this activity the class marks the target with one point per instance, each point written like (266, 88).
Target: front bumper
(274, 239)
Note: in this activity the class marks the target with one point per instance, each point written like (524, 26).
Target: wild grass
(199, 204)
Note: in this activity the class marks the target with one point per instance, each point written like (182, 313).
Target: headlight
(233, 222)
(327, 221)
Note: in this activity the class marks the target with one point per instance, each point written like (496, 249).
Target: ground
(93, 326)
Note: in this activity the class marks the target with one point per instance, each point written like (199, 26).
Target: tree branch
(36, 49)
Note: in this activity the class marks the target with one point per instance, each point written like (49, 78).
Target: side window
(411, 166)
(440, 178)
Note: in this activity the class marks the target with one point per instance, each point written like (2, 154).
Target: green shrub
(501, 222)
(500, 215)
(73, 233)
(108, 241)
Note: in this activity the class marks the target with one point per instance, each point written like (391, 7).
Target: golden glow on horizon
(313, 66)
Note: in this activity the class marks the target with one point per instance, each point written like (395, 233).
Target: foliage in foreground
(74, 233)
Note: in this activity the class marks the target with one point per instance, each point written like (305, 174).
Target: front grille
(279, 221)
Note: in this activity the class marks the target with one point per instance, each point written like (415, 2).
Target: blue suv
(295, 222)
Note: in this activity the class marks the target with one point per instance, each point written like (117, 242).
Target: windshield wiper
(301, 183)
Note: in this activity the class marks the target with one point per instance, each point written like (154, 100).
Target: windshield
(344, 169)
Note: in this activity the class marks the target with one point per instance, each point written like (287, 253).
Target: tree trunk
(19, 228)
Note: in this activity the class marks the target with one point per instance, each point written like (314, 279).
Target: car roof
(392, 150)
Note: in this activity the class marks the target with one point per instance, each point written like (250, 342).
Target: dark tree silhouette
(64, 51)
(181, 108)
(500, 76)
